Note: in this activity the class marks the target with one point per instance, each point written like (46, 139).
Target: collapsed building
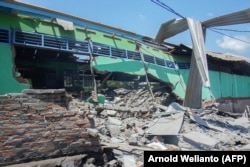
(45, 52)
(47, 49)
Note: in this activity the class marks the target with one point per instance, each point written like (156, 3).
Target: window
(4, 36)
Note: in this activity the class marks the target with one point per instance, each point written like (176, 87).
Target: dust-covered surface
(133, 121)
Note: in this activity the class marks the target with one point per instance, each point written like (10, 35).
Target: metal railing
(82, 47)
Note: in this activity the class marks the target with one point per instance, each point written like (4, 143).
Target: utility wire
(211, 29)
(163, 5)
(225, 29)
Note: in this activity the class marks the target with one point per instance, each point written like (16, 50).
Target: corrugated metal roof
(227, 56)
(221, 56)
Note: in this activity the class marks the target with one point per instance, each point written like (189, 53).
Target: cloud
(233, 44)
(142, 17)
(210, 14)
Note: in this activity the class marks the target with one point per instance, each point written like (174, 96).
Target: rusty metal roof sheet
(228, 57)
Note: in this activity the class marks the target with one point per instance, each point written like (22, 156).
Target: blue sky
(145, 17)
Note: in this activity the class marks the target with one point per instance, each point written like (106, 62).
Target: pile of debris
(130, 122)
(133, 121)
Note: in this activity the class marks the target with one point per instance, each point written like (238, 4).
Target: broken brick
(81, 122)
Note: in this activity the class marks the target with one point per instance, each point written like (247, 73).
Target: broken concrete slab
(132, 140)
(164, 114)
(129, 160)
(200, 121)
(245, 148)
(176, 107)
(92, 132)
(200, 140)
(113, 129)
(111, 112)
(114, 126)
(162, 107)
(166, 125)
(171, 109)
(114, 121)
(117, 140)
(242, 122)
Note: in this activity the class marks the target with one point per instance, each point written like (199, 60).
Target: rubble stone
(133, 140)
(111, 112)
(200, 140)
(245, 148)
(35, 127)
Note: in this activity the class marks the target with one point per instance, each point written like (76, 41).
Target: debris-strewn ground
(133, 121)
(125, 122)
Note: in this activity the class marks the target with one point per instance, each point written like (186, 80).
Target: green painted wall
(30, 24)
(169, 75)
(120, 65)
(229, 85)
(222, 84)
(137, 68)
(8, 84)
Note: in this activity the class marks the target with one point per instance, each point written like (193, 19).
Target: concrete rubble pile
(166, 127)
(132, 121)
